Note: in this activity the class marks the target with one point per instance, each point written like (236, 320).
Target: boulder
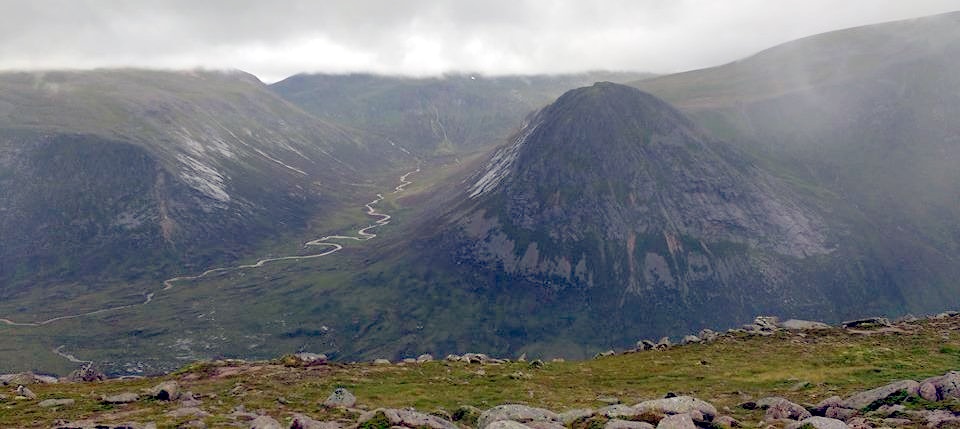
(664, 343)
(766, 323)
(120, 398)
(517, 413)
(617, 411)
(187, 412)
(726, 422)
(822, 406)
(50, 403)
(803, 325)
(708, 335)
(166, 391)
(941, 387)
(690, 339)
(340, 398)
(769, 401)
(866, 323)
(604, 354)
(786, 410)
(26, 378)
(26, 392)
(626, 424)
(679, 405)
(86, 374)
(424, 358)
(570, 416)
(453, 358)
(311, 359)
(407, 418)
(677, 421)
(612, 400)
(864, 399)
(840, 413)
(507, 424)
(941, 418)
(381, 362)
(264, 422)
(818, 423)
(646, 345)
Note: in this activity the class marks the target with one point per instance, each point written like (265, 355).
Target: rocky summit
(768, 374)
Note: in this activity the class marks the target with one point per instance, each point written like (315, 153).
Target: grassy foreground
(803, 367)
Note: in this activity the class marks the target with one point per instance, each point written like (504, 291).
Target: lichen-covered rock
(265, 422)
(626, 424)
(517, 413)
(340, 398)
(507, 424)
(301, 421)
(26, 392)
(818, 423)
(406, 418)
(786, 410)
(941, 387)
(679, 405)
(864, 399)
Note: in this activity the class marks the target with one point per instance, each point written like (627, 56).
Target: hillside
(123, 175)
(454, 113)
(743, 376)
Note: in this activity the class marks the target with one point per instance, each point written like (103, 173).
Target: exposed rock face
(166, 391)
(677, 421)
(863, 399)
(340, 398)
(784, 409)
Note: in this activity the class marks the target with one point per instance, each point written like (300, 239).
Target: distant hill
(439, 115)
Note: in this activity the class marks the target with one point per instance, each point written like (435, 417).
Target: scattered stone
(26, 378)
(678, 405)
(570, 416)
(646, 345)
(467, 415)
(409, 360)
(822, 406)
(864, 399)
(941, 387)
(49, 403)
(424, 358)
(800, 386)
(340, 398)
(786, 410)
(166, 391)
(803, 325)
(940, 418)
(187, 412)
(690, 339)
(867, 323)
(453, 358)
(818, 423)
(381, 362)
(840, 413)
(536, 363)
(517, 413)
(26, 392)
(888, 411)
(677, 421)
(626, 424)
(544, 425)
(708, 335)
(764, 403)
(727, 422)
(766, 323)
(264, 422)
(859, 423)
(120, 398)
(663, 344)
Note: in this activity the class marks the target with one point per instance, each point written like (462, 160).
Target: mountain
(864, 113)
(439, 115)
(132, 174)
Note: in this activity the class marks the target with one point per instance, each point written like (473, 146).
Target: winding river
(328, 242)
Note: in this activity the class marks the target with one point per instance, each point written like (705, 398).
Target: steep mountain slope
(120, 173)
(865, 113)
(453, 113)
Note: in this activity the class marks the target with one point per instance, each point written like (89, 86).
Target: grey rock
(570, 416)
(941, 387)
(453, 358)
(664, 343)
(120, 398)
(840, 413)
(803, 325)
(409, 360)
(26, 392)
(166, 391)
(726, 422)
(769, 401)
(49, 403)
(866, 323)
(507, 424)
(424, 358)
(819, 423)
(822, 406)
(896, 423)
(301, 421)
(612, 400)
(766, 323)
(626, 424)
(690, 339)
(518, 413)
(467, 414)
(26, 378)
(939, 418)
(193, 424)
(544, 425)
(340, 398)
(677, 421)
(408, 418)
(617, 411)
(786, 410)
(381, 362)
(863, 399)
(264, 422)
(678, 405)
(708, 335)
(311, 359)
(888, 410)
(646, 345)
(86, 374)
(859, 423)
(605, 354)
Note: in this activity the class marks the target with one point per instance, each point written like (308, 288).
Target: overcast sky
(277, 38)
